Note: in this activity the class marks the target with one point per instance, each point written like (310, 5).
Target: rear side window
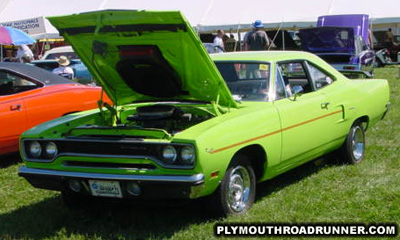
(69, 55)
(11, 84)
(320, 78)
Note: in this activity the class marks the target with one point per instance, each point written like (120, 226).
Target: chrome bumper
(192, 179)
(161, 186)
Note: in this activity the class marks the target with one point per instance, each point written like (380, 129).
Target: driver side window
(12, 84)
(295, 74)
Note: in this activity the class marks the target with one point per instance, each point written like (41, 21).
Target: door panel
(303, 123)
(12, 123)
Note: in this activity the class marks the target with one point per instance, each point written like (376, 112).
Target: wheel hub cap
(358, 143)
(239, 189)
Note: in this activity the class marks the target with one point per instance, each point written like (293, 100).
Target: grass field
(319, 191)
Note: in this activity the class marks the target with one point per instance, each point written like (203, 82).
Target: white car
(55, 53)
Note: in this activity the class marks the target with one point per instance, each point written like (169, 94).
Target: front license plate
(105, 188)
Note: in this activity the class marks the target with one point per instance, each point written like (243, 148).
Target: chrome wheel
(239, 189)
(357, 143)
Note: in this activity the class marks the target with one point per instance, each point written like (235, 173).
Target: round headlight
(187, 155)
(169, 153)
(51, 149)
(35, 149)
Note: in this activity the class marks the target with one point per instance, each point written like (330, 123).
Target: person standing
(230, 44)
(63, 68)
(218, 41)
(388, 38)
(257, 40)
(24, 54)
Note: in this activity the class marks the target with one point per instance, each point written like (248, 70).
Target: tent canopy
(208, 15)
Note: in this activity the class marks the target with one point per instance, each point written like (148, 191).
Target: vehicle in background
(55, 53)
(49, 62)
(187, 124)
(343, 41)
(283, 40)
(383, 58)
(382, 50)
(81, 73)
(30, 96)
(212, 48)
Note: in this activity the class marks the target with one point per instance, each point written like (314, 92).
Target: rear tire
(235, 195)
(352, 151)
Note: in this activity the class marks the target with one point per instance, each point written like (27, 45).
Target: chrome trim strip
(194, 179)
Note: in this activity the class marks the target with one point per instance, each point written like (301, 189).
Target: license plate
(105, 188)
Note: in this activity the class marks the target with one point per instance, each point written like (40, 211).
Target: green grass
(316, 192)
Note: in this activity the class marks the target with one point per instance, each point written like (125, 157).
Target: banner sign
(31, 26)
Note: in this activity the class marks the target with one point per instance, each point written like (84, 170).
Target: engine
(170, 118)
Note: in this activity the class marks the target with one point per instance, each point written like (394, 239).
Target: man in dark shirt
(257, 39)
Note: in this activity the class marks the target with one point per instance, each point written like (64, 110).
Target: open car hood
(144, 56)
(327, 39)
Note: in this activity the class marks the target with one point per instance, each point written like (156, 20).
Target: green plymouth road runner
(186, 124)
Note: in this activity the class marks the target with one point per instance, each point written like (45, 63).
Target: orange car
(30, 95)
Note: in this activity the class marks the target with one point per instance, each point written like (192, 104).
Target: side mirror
(297, 91)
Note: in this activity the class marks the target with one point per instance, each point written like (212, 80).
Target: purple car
(342, 41)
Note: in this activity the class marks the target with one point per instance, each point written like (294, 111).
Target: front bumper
(153, 187)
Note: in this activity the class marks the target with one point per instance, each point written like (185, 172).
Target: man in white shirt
(218, 40)
(63, 69)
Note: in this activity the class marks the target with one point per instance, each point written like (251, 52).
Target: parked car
(342, 41)
(283, 40)
(30, 96)
(49, 62)
(81, 73)
(57, 52)
(187, 127)
(213, 48)
(383, 58)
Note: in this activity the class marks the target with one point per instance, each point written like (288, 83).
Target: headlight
(35, 149)
(51, 150)
(169, 154)
(187, 155)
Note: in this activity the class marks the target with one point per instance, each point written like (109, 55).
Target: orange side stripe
(274, 132)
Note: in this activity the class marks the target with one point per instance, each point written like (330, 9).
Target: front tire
(353, 149)
(236, 193)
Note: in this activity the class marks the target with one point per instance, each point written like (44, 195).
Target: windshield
(327, 39)
(69, 55)
(246, 81)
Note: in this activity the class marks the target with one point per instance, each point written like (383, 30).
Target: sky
(207, 12)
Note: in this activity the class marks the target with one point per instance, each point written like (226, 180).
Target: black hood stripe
(126, 28)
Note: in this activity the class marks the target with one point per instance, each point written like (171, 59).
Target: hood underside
(327, 39)
(144, 56)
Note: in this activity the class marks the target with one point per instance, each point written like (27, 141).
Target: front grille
(137, 166)
(115, 148)
(105, 148)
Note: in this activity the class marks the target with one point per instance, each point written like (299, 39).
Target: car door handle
(324, 105)
(16, 107)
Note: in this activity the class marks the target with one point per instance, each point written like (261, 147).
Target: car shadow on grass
(9, 159)
(102, 220)
(106, 220)
(296, 175)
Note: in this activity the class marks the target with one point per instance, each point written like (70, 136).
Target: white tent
(208, 15)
